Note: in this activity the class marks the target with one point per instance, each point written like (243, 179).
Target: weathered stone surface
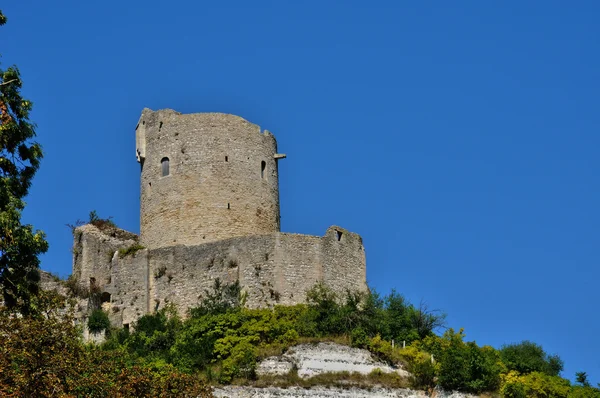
(218, 186)
(324, 392)
(272, 269)
(274, 366)
(93, 250)
(215, 215)
(314, 359)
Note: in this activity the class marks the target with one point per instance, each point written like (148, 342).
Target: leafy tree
(527, 357)
(463, 366)
(20, 158)
(43, 356)
(582, 378)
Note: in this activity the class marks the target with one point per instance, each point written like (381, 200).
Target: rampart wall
(93, 250)
(272, 269)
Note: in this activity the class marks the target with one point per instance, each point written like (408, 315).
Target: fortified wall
(209, 210)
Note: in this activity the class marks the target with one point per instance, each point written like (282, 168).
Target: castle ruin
(209, 209)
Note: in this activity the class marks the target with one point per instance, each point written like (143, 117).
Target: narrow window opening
(263, 166)
(160, 125)
(228, 206)
(338, 234)
(226, 159)
(164, 165)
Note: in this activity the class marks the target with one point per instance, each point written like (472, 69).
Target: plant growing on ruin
(130, 251)
(20, 158)
(98, 321)
(94, 219)
(75, 288)
(222, 298)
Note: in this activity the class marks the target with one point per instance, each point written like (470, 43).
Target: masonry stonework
(222, 179)
(211, 213)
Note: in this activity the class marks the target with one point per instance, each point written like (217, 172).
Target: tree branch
(8, 82)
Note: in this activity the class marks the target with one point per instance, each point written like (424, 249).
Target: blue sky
(460, 139)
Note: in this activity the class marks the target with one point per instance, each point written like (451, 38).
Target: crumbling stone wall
(272, 269)
(222, 179)
(93, 250)
(128, 290)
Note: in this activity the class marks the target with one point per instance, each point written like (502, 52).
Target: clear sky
(460, 139)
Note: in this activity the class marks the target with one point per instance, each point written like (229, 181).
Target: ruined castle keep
(209, 209)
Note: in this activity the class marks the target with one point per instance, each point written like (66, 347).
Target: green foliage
(391, 317)
(43, 356)
(130, 251)
(463, 366)
(584, 392)
(98, 321)
(534, 384)
(240, 362)
(527, 357)
(101, 223)
(222, 298)
(20, 158)
(359, 338)
(582, 379)
(225, 340)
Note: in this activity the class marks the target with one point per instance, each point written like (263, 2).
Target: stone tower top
(205, 177)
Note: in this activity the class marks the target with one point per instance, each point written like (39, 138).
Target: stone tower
(205, 177)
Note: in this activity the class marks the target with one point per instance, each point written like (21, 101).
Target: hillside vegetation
(220, 342)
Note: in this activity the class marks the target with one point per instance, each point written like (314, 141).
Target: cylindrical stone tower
(205, 177)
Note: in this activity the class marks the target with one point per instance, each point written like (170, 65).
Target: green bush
(43, 356)
(98, 321)
(534, 384)
(463, 366)
(527, 357)
(359, 338)
(240, 363)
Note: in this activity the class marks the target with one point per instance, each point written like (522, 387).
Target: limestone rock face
(324, 392)
(314, 359)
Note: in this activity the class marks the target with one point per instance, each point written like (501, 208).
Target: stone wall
(277, 268)
(272, 269)
(128, 290)
(93, 250)
(222, 180)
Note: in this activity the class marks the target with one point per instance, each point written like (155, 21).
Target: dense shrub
(534, 384)
(42, 355)
(527, 357)
(98, 321)
(463, 366)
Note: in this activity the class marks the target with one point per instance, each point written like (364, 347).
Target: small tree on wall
(98, 321)
(20, 158)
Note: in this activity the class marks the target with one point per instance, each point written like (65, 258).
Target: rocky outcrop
(314, 359)
(325, 392)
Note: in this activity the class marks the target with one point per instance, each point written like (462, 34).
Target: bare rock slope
(324, 392)
(314, 359)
